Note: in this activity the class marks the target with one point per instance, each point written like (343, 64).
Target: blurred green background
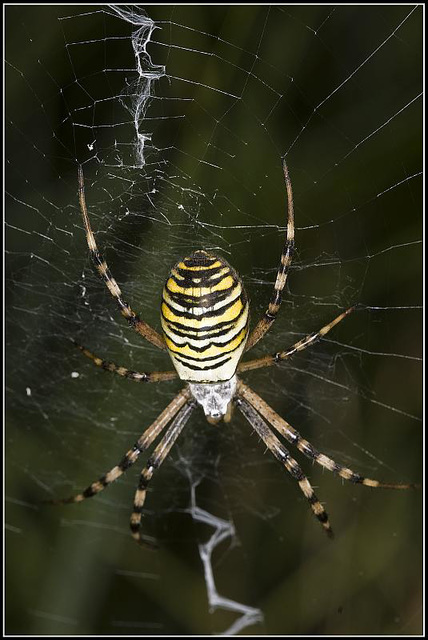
(337, 89)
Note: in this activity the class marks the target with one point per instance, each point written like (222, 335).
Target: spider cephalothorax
(205, 325)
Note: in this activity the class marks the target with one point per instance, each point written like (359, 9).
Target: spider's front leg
(133, 454)
(154, 462)
(294, 437)
(283, 456)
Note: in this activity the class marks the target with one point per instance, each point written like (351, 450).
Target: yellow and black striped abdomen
(204, 318)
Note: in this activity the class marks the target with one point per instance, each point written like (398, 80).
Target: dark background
(337, 89)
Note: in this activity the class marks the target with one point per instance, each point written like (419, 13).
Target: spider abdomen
(204, 317)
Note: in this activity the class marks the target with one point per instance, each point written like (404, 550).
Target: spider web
(180, 117)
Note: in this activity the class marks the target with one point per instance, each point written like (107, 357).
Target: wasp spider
(205, 325)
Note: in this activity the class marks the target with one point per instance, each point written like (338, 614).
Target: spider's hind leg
(271, 312)
(309, 340)
(133, 318)
(107, 365)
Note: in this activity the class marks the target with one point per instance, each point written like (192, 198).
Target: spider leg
(132, 455)
(281, 277)
(154, 462)
(268, 361)
(293, 436)
(281, 453)
(134, 320)
(154, 376)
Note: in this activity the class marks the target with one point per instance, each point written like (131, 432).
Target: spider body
(215, 398)
(205, 320)
(204, 316)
